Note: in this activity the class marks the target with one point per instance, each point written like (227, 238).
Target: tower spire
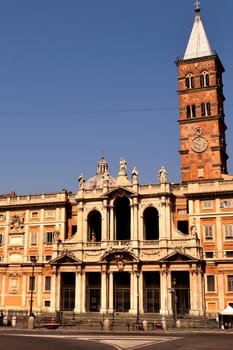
(198, 44)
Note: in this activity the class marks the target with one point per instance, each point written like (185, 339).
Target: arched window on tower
(191, 111)
(189, 81)
(205, 109)
(204, 79)
(122, 218)
(151, 223)
(94, 226)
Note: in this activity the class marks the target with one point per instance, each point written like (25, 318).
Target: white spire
(198, 45)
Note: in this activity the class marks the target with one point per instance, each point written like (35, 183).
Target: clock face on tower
(199, 144)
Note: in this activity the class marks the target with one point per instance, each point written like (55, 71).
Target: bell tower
(202, 127)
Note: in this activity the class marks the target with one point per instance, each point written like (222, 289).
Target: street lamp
(174, 308)
(32, 284)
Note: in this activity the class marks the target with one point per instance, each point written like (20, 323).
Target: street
(101, 341)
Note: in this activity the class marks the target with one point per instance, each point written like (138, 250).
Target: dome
(102, 174)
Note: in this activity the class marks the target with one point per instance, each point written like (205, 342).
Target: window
(228, 231)
(229, 253)
(205, 109)
(204, 79)
(34, 214)
(47, 285)
(49, 213)
(209, 255)
(182, 211)
(47, 303)
(226, 204)
(189, 81)
(183, 226)
(48, 257)
(48, 237)
(33, 238)
(1, 238)
(2, 217)
(207, 204)
(210, 283)
(191, 111)
(230, 283)
(208, 231)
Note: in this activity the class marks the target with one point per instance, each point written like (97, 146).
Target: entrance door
(182, 290)
(151, 296)
(93, 289)
(67, 291)
(121, 291)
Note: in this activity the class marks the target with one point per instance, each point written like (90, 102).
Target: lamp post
(31, 319)
(174, 308)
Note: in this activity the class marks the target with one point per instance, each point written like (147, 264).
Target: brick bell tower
(202, 127)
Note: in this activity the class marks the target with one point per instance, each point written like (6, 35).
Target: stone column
(104, 290)
(164, 291)
(77, 307)
(83, 292)
(110, 306)
(53, 292)
(111, 223)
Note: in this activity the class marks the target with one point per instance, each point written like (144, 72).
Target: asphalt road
(220, 340)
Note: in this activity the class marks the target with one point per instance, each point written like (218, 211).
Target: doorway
(121, 291)
(67, 291)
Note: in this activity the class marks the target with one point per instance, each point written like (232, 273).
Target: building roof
(198, 44)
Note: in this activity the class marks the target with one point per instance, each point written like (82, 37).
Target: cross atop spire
(197, 4)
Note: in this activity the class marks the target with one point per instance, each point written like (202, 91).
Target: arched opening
(151, 224)
(94, 226)
(122, 217)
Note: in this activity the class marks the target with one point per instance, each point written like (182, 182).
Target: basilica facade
(120, 246)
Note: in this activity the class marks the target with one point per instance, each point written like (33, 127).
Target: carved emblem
(16, 222)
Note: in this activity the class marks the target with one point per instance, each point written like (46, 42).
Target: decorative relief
(16, 223)
(151, 252)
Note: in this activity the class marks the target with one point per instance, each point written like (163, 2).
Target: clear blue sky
(82, 77)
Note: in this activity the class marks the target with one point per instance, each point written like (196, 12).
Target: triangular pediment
(178, 257)
(65, 258)
(120, 192)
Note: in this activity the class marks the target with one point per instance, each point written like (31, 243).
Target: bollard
(13, 321)
(106, 325)
(31, 322)
(144, 325)
(4, 322)
(164, 324)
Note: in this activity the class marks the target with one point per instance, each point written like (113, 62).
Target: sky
(82, 78)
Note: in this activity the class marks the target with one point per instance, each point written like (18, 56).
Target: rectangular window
(47, 303)
(33, 238)
(1, 238)
(34, 214)
(207, 204)
(49, 213)
(48, 257)
(210, 283)
(226, 204)
(2, 217)
(47, 283)
(229, 253)
(228, 231)
(230, 283)
(208, 230)
(209, 255)
(48, 237)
